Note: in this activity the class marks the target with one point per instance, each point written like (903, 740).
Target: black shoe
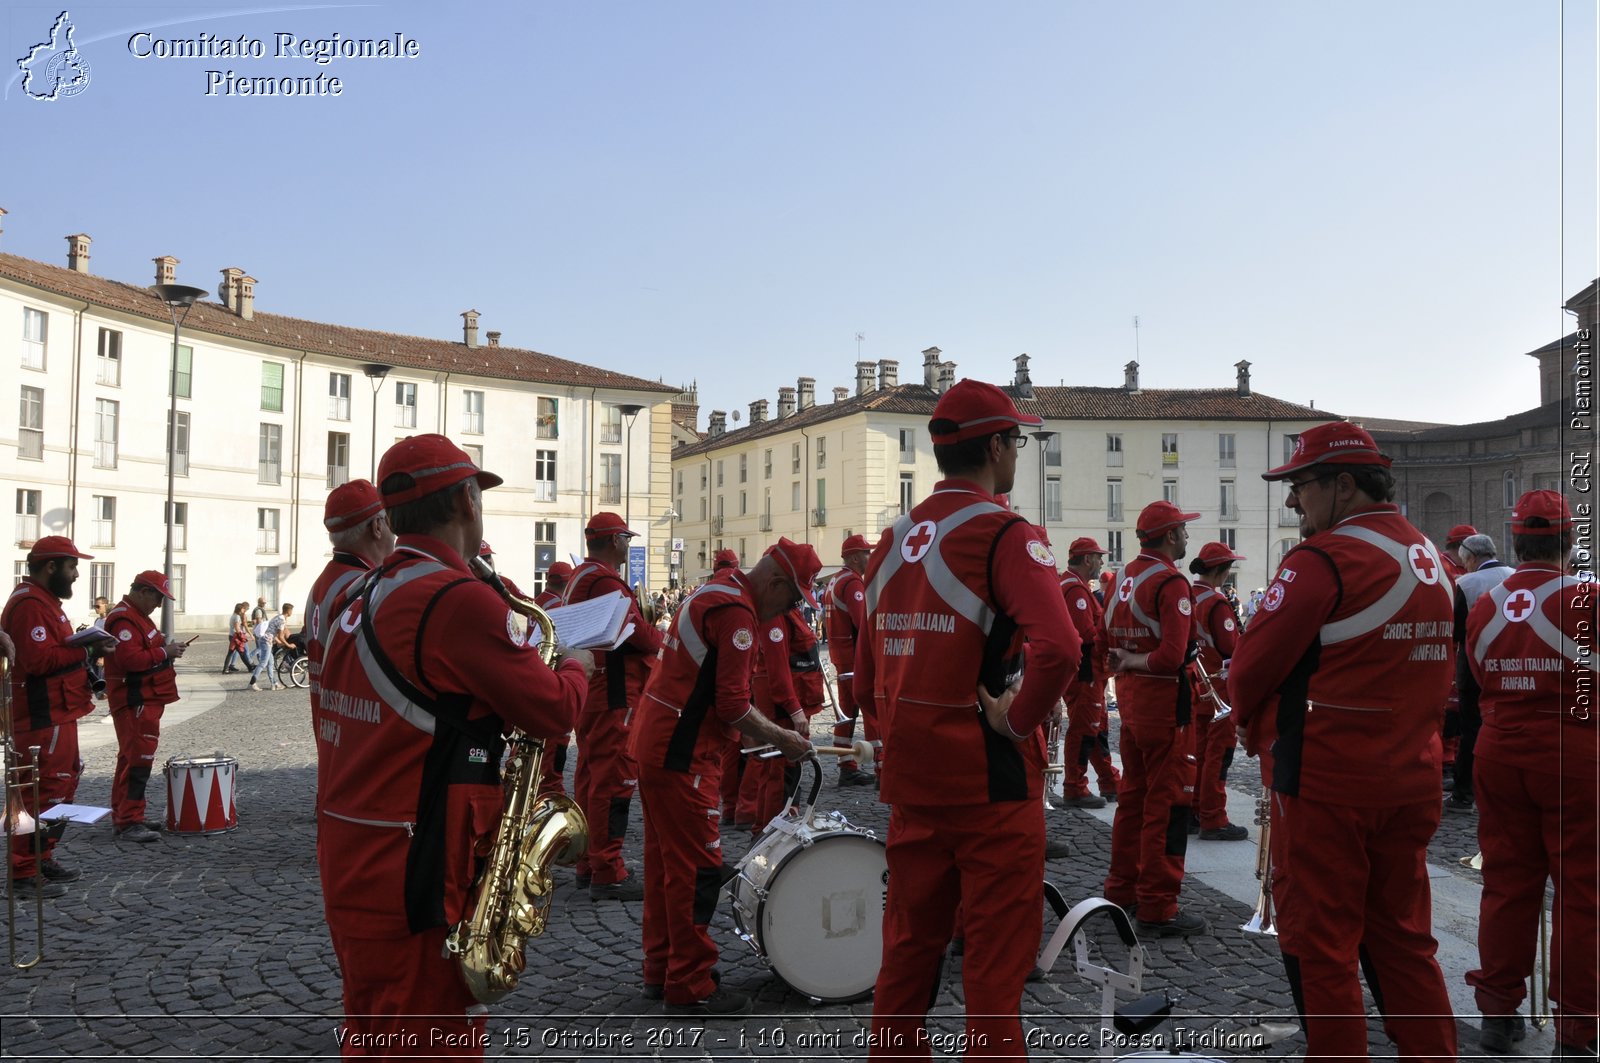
(1459, 805)
(1055, 849)
(854, 777)
(1500, 1032)
(722, 1002)
(1233, 832)
(54, 872)
(1110, 796)
(653, 990)
(1194, 824)
(1085, 801)
(582, 879)
(958, 946)
(627, 889)
(1036, 975)
(137, 832)
(1181, 925)
(36, 886)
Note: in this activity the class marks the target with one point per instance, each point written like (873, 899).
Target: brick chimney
(785, 402)
(866, 377)
(717, 423)
(930, 368)
(1244, 377)
(247, 297)
(947, 377)
(228, 290)
(494, 339)
(1020, 381)
(78, 252)
(840, 394)
(807, 388)
(888, 373)
(758, 411)
(166, 270)
(469, 327)
(1130, 377)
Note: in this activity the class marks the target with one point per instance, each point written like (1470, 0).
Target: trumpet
(21, 792)
(1261, 921)
(1055, 759)
(1206, 681)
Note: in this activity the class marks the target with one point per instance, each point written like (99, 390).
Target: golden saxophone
(511, 901)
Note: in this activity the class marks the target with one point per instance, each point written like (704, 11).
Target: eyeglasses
(1019, 440)
(1296, 487)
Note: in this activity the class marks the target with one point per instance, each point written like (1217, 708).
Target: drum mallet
(860, 750)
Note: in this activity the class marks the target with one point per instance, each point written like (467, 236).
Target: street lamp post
(1043, 439)
(376, 371)
(671, 517)
(630, 410)
(179, 298)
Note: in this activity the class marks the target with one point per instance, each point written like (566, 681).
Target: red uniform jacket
(701, 685)
(344, 570)
(548, 600)
(49, 685)
(412, 772)
(1347, 662)
(788, 671)
(847, 611)
(138, 670)
(1089, 617)
(1216, 626)
(1152, 612)
(1531, 646)
(620, 674)
(952, 589)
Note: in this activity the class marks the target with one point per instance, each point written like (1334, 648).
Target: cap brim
(809, 597)
(158, 590)
(487, 480)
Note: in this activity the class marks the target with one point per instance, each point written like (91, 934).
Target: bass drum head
(821, 924)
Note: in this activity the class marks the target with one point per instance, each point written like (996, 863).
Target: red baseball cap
(603, 524)
(1213, 554)
(1082, 546)
(55, 546)
(1549, 506)
(484, 549)
(156, 581)
(1337, 443)
(433, 463)
(977, 409)
(856, 543)
(350, 504)
(1159, 516)
(560, 570)
(800, 563)
(1458, 533)
(724, 558)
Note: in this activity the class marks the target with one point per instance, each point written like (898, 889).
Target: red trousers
(1150, 834)
(604, 785)
(138, 732)
(59, 769)
(1349, 879)
(1213, 746)
(844, 731)
(1534, 826)
(402, 997)
(682, 878)
(1087, 741)
(991, 856)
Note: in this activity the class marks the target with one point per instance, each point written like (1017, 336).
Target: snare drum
(809, 898)
(200, 794)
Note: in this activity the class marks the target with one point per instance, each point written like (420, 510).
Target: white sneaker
(277, 686)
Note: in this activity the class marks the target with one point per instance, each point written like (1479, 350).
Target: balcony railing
(819, 517)
(1230, 513)
(1288, 518)
(716, 525)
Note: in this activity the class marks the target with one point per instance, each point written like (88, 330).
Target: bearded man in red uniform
(606, 776)
(49, 693)
(1217, 626)
(140, 684)
(1347, 661)
(698, 693)
(845, 613)
(953, 589)
(1149, 623)
(1087, 740)
(424, 672)
(1531, 646)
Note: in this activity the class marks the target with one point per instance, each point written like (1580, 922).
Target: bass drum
(809, 899)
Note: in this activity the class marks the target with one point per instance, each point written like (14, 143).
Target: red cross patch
(1125, 590)
(918, 541)
(1423, 564)
(1518, 606)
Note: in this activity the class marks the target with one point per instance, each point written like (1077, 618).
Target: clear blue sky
(1365, 199)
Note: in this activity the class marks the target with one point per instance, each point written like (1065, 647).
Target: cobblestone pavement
(214, 947)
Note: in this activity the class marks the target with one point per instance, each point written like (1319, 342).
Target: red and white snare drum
(200, 794)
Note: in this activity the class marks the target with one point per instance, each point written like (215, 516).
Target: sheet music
(89, 636)
(595, 624)
(75, 813)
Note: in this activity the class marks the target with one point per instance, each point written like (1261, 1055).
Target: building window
(104, 508)
(546, 422)
(178, 444)
(102, 580)
(1284, 546)
(338, 396)
(35, 328)
(702, 507)
(475, 452)
(1113, 550)
(744, 468)
(766, 464)
(180, 588)
(267, 586)
(544, 553)
(338, 459)
(794, 497)
(794, 456)
(544, 476)
(108, 368)
(1169, 448)
(610, 423)
(611, 478)
(908, 492)
(719, 473)
(272, 386)
(405, 403)
(105, 433)
(267, 532)
(1052, 451)
(705, 471)
(1289, 443)
(473, 401)
(269, 454)
(744, 503)
(908, 446)
(1169, 491)
(1229, 501)
(19, 571)
(1227, 458)
(1052, 499)
(1113, 450)
(30, 424)
(180, 525)
(1114, 500)
(822, 452)
(1509, 494)
(822, 501)
(766, 509)
(185, 371)
(1229, 537)
(29, 504)
(679, 492)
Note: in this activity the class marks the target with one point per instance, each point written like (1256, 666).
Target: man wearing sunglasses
(1342, 671)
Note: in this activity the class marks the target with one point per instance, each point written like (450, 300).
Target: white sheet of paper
(594, 624)
(76, 813)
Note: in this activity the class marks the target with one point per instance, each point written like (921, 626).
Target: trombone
(1261, 920)
(21, 791)
(1206, 681)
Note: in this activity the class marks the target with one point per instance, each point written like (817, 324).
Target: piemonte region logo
(55, 69)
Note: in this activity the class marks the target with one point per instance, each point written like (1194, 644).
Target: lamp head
(178, 296)
(376, 370)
